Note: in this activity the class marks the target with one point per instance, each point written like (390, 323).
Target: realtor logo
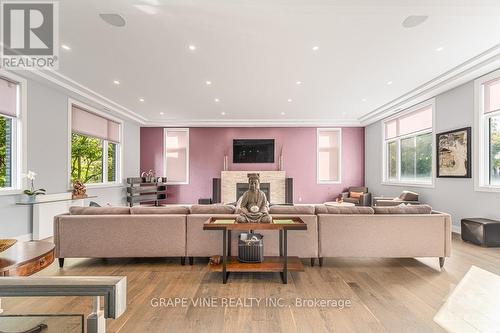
(29, 35)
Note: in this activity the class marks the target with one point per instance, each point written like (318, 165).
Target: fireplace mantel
(276, 180)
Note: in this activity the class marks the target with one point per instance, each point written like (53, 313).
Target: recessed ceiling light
(315, 48)
(282, 113)
(141, 99)
(216, 100)
(298, 83)
(116, 82)
(439, 49)
(162, 113)
(389, 83)
(289, 100)
(208, 83)
(223, 113)
(363, 100)
(192, 47)
(414, 20)
(344, 113)
(66, 47)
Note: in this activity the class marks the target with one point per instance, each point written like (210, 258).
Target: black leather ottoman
(480, 231)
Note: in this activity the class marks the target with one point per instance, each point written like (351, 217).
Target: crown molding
(463, 73)
(81, 90)
(255, 123)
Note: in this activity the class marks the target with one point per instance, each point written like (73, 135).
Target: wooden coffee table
(282, 264)
(26, 258)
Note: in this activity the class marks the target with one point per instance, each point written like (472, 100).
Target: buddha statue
(252, 206)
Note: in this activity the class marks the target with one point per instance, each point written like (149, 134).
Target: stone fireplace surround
(276, 180)
(264, 187)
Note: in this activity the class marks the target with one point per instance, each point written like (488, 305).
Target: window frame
(119, 148)
(385, 144)
(329, 129)
(481, 151)
(19, 137)
(165, 132)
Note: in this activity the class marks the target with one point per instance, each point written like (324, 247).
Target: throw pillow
(408, 196)
(355, 195)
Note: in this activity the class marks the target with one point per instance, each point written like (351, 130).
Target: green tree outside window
(86, 159)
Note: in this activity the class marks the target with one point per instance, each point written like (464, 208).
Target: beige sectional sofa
(388, 232)
(120, 232)
(177, 231)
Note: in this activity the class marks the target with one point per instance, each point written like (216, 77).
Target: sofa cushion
(325, 209)
(78, 210)
(213, 209)
(404, 209)
(292, 210)
(159, 210)
(408, 196)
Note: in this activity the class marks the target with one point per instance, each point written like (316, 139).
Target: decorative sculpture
(79, 190)
(252, 206)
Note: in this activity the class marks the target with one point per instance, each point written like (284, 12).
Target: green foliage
(34, 192)
(424, 156)
(4, 140)
(495, 149)
(416, 157)
(111, 162)
(86, 159)
(408, 158)
(393, 160)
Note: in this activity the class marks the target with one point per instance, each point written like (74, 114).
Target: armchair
(358, 196)
(406, 197)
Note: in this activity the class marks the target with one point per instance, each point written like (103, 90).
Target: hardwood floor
(387, 295)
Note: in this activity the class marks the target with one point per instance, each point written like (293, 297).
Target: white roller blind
(492, 96)
(8, 97)
(177, 155)
(391, 129)
(409, 123)
(90, 124)
(329, 155)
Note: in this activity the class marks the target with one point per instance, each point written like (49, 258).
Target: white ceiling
(254, 51)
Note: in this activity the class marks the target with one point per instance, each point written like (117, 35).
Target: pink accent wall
(207, 147)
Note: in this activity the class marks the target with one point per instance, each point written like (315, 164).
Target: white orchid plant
(31, 178)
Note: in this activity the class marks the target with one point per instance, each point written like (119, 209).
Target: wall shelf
(140, 191)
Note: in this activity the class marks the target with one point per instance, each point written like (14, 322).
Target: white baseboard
(456, 229)
(24, 238)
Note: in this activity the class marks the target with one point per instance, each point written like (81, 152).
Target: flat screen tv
(253, 151)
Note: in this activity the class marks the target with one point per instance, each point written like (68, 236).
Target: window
(177, 155)
(408, 147)
(95, 147)
(488, 124)
(329, 155)
(9, 141)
